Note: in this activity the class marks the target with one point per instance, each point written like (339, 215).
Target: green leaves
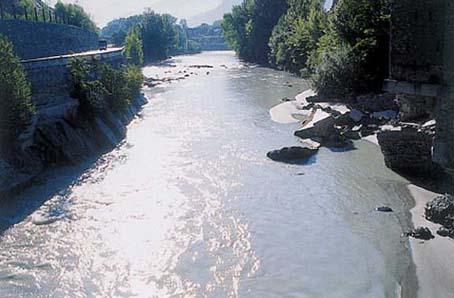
(100, 88)
(16, 109)
(295, 37)
(247, 29)
(134, 47)
(76, 16)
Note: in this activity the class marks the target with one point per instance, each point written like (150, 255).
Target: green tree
(15, 96)
(364, 25)
(296, 36)
(248, 27)
(134, 47)
(158, 35)
(76, 16)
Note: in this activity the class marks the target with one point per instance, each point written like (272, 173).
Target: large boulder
(441, 211)
(408, 150)
(320, 129)
(377, 102)
(292, 154)
(421, 233)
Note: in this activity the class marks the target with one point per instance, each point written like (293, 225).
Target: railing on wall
(33, 14)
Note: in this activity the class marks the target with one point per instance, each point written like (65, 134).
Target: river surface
(189, 205)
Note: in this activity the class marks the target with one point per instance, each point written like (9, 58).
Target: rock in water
(421, 233)
(291, 154)
(384, 209)
(441, 210)
(444, 232)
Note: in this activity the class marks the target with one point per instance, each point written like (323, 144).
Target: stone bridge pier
(422, 68)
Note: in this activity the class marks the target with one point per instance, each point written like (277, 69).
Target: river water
(189, 205)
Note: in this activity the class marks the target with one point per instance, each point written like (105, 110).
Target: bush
(86, 88)
(16, 109)
(101, 87)
(338, 74)
(134, 80)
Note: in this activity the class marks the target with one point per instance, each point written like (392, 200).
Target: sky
(195, 11)
(104, 11)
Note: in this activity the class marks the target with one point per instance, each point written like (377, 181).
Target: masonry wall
(418, 40)
(38, 39)
(444, 140)
(50, 79)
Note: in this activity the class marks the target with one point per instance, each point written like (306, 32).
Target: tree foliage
(15, 96)
(159, 35)
(296, 36)
(76, 16)
(364, 25)
(248, 28)
(100, 87)
(134, 47)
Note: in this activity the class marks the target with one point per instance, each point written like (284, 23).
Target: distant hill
(214, 14)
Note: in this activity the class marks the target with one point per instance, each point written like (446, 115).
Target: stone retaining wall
(38, 39)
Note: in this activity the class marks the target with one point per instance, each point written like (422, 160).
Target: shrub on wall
(16, 108)
(100, 87)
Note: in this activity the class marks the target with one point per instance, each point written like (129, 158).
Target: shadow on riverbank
(18, 204)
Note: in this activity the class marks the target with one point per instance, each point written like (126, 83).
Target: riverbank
(433, 265)
(62, 136)
(434, 259)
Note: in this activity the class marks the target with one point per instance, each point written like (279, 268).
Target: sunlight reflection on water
(189, 206)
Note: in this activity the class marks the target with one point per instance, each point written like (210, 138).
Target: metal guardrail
(33, 14)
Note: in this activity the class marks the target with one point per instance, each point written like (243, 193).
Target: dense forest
(343, 50)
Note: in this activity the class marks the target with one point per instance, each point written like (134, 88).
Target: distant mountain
(215, 14)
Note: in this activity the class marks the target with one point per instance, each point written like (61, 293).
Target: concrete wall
(37, 39)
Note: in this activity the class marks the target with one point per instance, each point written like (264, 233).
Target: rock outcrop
(408, 149)
(292, 154)
(441, 211)
(62, 138)
(421, 233)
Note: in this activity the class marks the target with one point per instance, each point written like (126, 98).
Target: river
(189, 205)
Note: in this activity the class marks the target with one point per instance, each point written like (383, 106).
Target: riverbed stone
(408, 150)
(421, 233)
(385, 209)
(291, 154)
(441, 210)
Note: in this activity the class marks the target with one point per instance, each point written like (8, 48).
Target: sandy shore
(434, 259)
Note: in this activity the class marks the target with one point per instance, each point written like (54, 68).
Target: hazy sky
(104, 11)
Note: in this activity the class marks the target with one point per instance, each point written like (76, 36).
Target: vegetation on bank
(16, 109)
(149, 37)
(75, 15)
(100, 87)
(157, 36)
(344, 50)
(247, 29)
